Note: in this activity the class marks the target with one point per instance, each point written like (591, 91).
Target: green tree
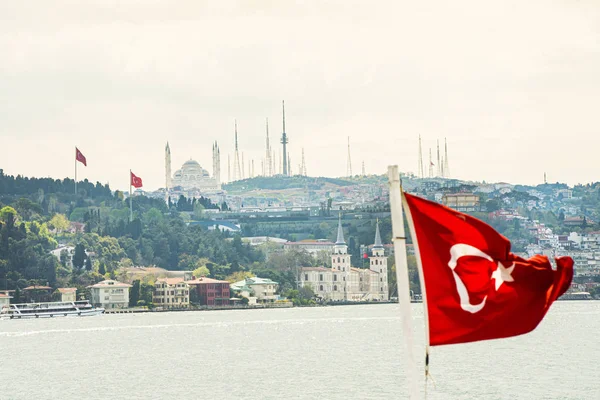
(59, 222)
(201, 271)
(88, 264)
(79, 256)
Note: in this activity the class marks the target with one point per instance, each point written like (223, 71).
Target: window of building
(321, 278)
(335, 277)
(305, 277)
(321, 288)
(335, 288)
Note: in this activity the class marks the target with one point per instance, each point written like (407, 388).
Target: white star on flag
(502, 274)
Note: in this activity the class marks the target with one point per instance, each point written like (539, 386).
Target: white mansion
(342, 282)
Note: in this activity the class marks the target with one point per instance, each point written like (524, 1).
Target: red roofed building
(38, 294)
(209, 292)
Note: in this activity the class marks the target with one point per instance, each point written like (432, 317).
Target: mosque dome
(190, 175)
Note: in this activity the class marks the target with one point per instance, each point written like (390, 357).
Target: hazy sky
(513, 85)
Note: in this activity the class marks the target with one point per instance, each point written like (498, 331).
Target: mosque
(342, 282)
(191, 176)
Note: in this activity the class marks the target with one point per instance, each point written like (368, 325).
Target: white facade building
(171, 293)
(261, 288)
(67, 294)
(110, 294)
(4, 299)
(342, 282)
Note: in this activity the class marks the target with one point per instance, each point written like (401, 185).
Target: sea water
(342, 352)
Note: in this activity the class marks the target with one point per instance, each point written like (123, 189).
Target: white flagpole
(413, 234)
(75, 171)
(130, 200)
(399, 240)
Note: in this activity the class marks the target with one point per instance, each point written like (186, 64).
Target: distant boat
(48, 310)
(576, 296)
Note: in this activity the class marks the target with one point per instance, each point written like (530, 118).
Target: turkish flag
(80, 157)
(475, 288)
(136, 181)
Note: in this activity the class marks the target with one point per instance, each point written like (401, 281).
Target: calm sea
(349, 352)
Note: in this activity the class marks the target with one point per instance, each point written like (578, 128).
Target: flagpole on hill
(130, 199)
(399, 240)
(75, 170)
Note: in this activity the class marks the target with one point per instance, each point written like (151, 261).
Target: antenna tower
(439, 166)
(284, 142)
(430, 165)
(267, 168)
(349, 164)
(303, 166)
(446, 166)
(421, 172)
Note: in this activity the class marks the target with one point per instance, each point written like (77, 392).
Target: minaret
(439, 166)
(237, 171)
(446, 167)
(217, 164)
(378, 263)
(349, 163)
(228, 170)
(363, 169)
(421, 172)
(284, 142)
(340, 260)
(167, 172)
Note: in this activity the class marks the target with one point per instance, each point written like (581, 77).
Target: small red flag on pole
(80, 157)
(136, 181)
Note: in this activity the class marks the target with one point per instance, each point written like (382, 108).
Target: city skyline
(514, 102)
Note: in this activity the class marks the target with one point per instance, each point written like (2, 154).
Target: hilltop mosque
(191, 175)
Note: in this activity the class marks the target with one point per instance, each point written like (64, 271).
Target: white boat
(47, 310)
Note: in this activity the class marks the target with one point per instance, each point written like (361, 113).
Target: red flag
(136, 181)
(80, 157)
(475, 288)
(365, 255)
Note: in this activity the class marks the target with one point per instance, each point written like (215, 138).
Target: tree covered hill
(36, 215)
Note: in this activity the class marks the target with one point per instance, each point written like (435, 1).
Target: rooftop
(110, 283)
(203, 280)
(38, 288)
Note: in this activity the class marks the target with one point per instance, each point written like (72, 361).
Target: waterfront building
(66, 294)
(171, 293)
(110, 294)
(262, 289)
(4, 300)
(209, 292)
(342, 282)
(37, 294)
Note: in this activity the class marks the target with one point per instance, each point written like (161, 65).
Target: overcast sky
(513, 85)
